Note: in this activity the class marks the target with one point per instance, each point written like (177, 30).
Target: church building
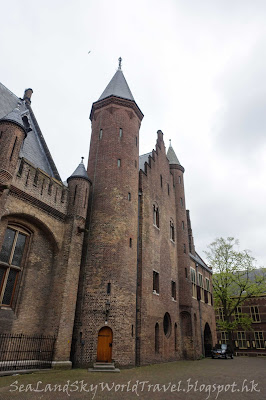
(106, 261)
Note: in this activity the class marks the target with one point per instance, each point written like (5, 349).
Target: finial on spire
(119, 62)
(82, 158)
(170, 144)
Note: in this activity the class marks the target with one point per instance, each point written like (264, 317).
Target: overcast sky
(196, 70)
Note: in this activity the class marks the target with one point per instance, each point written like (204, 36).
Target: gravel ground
(238, 379)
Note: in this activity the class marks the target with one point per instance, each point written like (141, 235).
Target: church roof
(172, 158)
(80, 172)
(117, 86)
(34, 147)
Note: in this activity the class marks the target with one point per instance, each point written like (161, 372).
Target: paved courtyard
(238, 379)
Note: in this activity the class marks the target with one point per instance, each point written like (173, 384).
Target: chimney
(27, 95)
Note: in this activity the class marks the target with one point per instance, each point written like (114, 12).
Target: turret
(79, 186)
(113, 226)
(12, 135)
(181, 230)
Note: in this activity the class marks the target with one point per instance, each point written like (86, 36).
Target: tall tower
(106, 310)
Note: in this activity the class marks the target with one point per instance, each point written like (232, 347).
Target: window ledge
(172, 241)
(155, 226)
(154, 292)
(173, 299)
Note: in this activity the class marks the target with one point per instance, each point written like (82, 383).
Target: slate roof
(34, 147)
(142, 159)
(172, 156)
(80, 172)
(117, 87)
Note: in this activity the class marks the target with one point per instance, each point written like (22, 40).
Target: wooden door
(105, 341)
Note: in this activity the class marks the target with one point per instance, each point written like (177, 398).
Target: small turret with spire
(79, 185)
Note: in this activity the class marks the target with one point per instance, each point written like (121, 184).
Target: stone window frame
(7, 267)
(155, 282)
(194, 282)
(200, 280)
(259, 341)
(255, 314)
(242, 340)
(156, 215)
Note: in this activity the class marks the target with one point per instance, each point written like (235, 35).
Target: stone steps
(104, 367)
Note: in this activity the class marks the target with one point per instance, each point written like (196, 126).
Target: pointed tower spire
(118, 86)
(80, 171)
(172, 158)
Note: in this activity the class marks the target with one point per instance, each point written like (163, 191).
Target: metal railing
(19, 352)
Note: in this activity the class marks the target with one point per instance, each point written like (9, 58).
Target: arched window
(11, 262)
(157, 338)
(176, 337)
(156, 215)
(167, 325)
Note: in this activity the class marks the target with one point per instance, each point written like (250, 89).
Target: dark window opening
(181, 201)
(156, 216)
(168, 188)
(119, 163)
(132, 330)
(108, 288)
(1, 133)
(130, 242)
(50, 187)
(185, 249)
(36, 177)
(186, 272)
(179, 179)
(11, 256)
(120, 133)
(161, 178)
(167, 324)
(63, 195)
(175, 337)
(100, 134)
(14, 145)
(129, 196)
(27, 178)
(183, 225)
(157, 338)
(173, 285)
(155, 282)
(21, 165)
(75, 194)
(85, 199)
(172, 231)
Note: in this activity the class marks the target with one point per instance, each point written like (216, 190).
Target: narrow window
(119, 163)
(120, 133)
(156, 338)
(186, 272)
(55, 197)
(100, 134)
(168, 188)
(173, 288)
(179, 179)
(129, 196)
(185, 249)
(11, 258)
(155, 216)
(130, 242)
(1, 134)
(108, 288)
(136, 141)
(193, 281)
(181, 201)
(21, 165)
(36, 176)
(172, 231)
(161, 178)
(135, 164)
(183, 225)
(14, 145)
(132, 330)
(63, 195)
(27, 178)
(175, 337)
(85, 200)
(50, 187)
(155, 282)
(43, 182)
(75, 194)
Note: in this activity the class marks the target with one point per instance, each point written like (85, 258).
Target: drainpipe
(201, 333)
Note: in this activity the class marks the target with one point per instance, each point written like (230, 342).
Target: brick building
(250, 342)
(105, 262)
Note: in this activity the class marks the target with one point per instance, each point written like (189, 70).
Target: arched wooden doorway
(104, 347)
(207, 340)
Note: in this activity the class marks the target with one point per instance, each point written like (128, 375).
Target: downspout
(201, 333)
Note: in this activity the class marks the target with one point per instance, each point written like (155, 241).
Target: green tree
(235, 280)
